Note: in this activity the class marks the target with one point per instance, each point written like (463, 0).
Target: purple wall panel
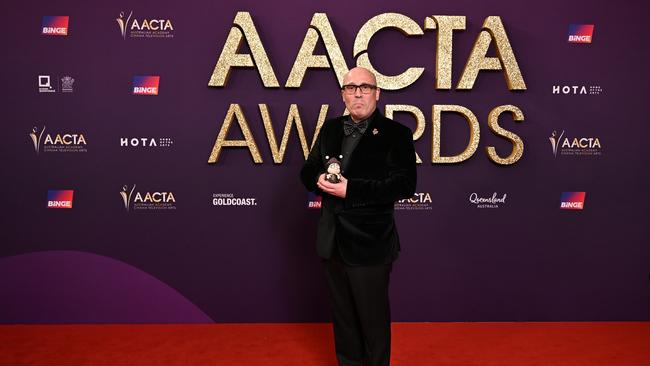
(525, 260)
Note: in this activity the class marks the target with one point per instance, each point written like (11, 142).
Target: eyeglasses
(352, 89)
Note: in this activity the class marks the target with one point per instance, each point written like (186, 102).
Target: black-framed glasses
(352, 89)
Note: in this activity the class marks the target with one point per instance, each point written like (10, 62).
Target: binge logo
(572, 200)
(580, 33)
(146, 85)
(314, 200)
(59, 199)
(55, 26)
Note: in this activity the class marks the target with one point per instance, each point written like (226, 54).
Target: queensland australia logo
(419, 201)
(49, 84)
(230, 199)
(146, 85)
(580, 33)
(575, 146)
(579, 89)
(133, 27)
(493, 201)
(55, 25)
(60, 198)
(314, 201)
(146, 142)
(147, 200)
(572, 200)
(66, 142)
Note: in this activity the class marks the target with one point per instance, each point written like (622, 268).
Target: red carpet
(414, 344)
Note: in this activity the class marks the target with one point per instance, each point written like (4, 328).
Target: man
(356, 236)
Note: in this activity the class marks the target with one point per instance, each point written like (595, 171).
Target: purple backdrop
(525, 260)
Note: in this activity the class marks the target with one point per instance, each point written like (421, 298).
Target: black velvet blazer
(381, 170)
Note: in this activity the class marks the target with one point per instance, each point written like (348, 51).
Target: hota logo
(134, 200)
(146, 85)
(55, 26)
(577, 146)
(59, 142)
(144, 28)
(146, 142)
(577, 89)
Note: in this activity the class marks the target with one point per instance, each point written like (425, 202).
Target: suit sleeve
(313, 167)
(400, 182)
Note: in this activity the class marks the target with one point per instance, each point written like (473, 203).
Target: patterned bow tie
(350, 126)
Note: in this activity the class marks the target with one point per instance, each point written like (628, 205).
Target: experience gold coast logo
(492, 34)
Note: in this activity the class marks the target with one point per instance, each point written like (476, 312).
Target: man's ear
(377, 94)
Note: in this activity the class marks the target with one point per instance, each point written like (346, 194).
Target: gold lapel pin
(375, 131)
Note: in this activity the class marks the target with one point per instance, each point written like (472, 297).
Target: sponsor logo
(572, 200)
(147, 200)
(419, 201)
(55, 25)
(146, 85)
(577, 146)
(577, 89)
(59, 198)
(229, 199)
(66, 84)
(144, 27)
(580, 33)
(146, 142)
(57, 142)
(487, 202)
(314, 201)
(45, 84)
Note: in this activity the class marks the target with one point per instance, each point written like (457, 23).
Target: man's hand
(335, 189)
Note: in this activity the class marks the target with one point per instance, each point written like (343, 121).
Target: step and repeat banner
(151, 154)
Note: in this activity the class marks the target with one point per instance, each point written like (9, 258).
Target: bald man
(357, 237)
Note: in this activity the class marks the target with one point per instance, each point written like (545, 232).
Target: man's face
(360, 105)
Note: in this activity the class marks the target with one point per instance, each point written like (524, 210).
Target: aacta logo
(580, 33)
(59, 199)
(66, 142)
(574, 145)
(55, 26)
(144, 28)
(572, 200)
(146, 85)
(148, 200)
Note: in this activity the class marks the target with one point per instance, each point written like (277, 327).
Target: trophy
(333, 168)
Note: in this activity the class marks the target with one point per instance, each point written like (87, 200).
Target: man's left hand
(335, 189)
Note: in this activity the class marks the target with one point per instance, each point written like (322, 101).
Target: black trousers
(360, 309)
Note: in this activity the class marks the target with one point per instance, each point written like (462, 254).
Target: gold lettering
(319, 27)
(229, 57)
(517, 143)
(293, 116)
(446, 26)
(505, 60)
(408, 27)
(474, 134)
(234, 111)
